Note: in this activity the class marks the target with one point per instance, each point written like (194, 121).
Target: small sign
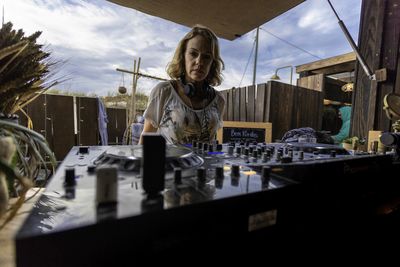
(235, 131)
(243, 134)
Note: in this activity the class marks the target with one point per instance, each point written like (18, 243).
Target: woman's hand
(147, 128)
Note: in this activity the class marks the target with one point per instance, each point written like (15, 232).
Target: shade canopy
(229, 19)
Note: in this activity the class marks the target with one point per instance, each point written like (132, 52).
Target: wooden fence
(285, 106)
(54, 117)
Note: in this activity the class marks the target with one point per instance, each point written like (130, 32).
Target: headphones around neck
(189, 89)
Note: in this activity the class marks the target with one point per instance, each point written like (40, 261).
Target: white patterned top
(180, 123)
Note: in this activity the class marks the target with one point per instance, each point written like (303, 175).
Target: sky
(94, 37)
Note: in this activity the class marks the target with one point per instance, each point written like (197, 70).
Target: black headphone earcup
(189, 89)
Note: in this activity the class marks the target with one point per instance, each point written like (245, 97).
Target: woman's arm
(147, 128)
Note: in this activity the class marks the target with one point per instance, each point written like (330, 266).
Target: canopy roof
(229, 19)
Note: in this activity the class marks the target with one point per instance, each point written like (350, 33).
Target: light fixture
(348, 87)
(276, 77)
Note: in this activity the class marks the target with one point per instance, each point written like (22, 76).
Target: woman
(187, 108)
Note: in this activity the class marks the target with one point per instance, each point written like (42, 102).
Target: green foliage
(24, 68)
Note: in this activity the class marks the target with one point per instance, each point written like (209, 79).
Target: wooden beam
(327, 63)
(341, 68)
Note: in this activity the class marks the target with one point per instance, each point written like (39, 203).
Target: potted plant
(25, 70)
(353, 143)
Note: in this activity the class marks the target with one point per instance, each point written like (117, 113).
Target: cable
(247, 64)
(287, 42)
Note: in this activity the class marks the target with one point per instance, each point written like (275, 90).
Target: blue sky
(96, 37)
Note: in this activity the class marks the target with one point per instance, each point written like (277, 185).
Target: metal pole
(353, 45)
(133, 97)
(255, 58)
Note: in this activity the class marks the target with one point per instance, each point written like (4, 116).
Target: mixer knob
(254, 156)
(279, 155)
(219, 172)
(265, 176)
(238, 150)
(211, 148)
(230, 150)
(219, 177)
(106, 185)
(91, 168)
(251, 148)
(301, 155)
(69, 179)
(235, 170)
(265, 157)
(333, 153)
(177, 175)
(201, 174)
(219, 147)
(194, 144)
(83, 150)
(205, 147)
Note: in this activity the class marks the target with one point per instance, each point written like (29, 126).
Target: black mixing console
(107, 203)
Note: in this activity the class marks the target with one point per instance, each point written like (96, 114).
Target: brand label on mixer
(262, 220)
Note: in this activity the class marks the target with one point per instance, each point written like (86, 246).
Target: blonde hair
(176, 68)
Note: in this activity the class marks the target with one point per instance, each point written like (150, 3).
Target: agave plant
(25, 71)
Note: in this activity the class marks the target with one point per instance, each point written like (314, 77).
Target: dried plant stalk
(7, 150)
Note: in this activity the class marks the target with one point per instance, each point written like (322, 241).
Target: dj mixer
(107, 204)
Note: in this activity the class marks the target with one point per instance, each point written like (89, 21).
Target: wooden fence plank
(60, 124)
(225, 95)
(236, 103)
(116, 125)
(281, 108)
(230, 104)
(242, 100)
(88, 129)
(259, 103)
(250, 103)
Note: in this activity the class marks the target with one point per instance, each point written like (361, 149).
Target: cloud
(96, 37)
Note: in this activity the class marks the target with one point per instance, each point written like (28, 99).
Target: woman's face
(198, 59)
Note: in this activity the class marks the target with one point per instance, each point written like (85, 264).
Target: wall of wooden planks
(53, 117)
(379, 36)
(285, 106)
